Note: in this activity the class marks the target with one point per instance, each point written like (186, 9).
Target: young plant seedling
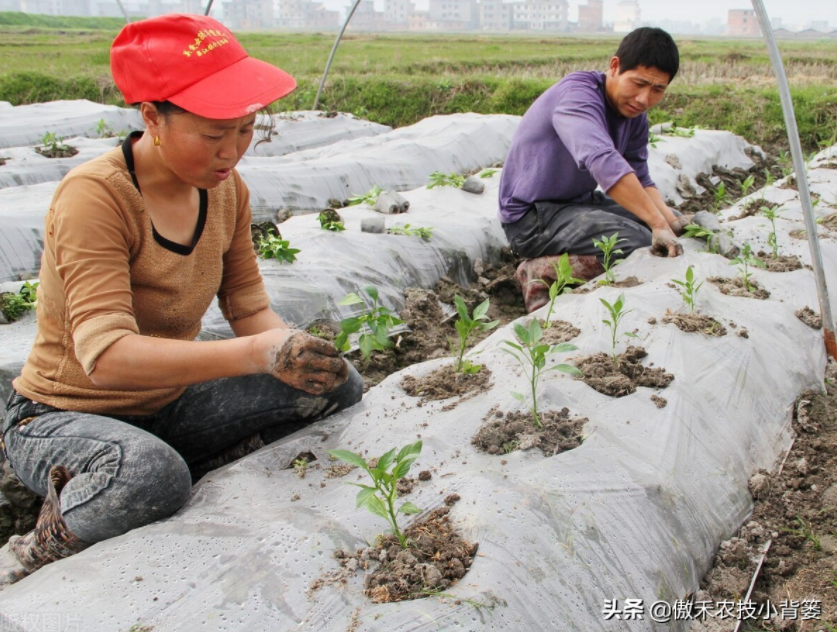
(14, 305)
(744, 260)
(274, 247)
(301, 467)
(699, 232)
(747, 184)
(617, 312)
(374, 323)
(424, 232)
(563, 279)
(439, 179)
(690, 289)
(772, 240)
(608, 247)
(721, 197)
(327, 222)
(465, 326)
(532, 357)
(379, 498)
(682, 132)
(488, 173)
(370, 197)
(653, 139)
(786, 162)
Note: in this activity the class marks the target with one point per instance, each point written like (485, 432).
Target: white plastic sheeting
(25, 166)
(637, 511)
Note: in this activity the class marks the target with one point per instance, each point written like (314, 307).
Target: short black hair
(649, 47)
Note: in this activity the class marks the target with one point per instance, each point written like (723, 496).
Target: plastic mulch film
(636, 511)
(25, 166)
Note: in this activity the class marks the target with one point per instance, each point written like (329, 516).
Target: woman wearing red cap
(118, 406)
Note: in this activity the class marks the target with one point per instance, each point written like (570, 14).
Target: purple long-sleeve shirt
(570, 141)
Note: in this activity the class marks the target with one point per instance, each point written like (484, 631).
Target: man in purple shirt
(590, 130)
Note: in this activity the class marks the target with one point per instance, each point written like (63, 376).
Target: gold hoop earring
(157, 142)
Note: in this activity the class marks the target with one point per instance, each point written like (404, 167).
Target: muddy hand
(679, 224)
(307, 363)
(664, 243)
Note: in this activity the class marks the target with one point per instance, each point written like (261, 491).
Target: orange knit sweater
(104, 276)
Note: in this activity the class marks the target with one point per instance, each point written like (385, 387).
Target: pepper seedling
(375, 323)
(379, 498)
(744, 260)
(617, 312)
(328, 222)
(696, 231)
(425, 232)
(274, 247)
(690, 290)
(608, 247)
(439, 179)
(563, 279)
(465, 326)
(13, 306)
(370, 197)
(721, 197)
(532, 357)
(747, 184)
(772, 240)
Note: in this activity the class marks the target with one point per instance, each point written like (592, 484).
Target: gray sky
(791, 11)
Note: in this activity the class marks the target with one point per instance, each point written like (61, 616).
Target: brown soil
(621, 378)
(504, 433)
(752, 208)
(699, 323)
(809, 317)
(829, 222)
(661, 402)
(732, 179)
(780, 263)
(64, 151)
(436, 559)
(558, 331)
(630, 281)
(445, 382)
(3, 161)
(795, 511)
(735, 287)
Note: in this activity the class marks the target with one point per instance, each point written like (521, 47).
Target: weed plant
(744, 260)
(424, 232)
(690, 289)
(465, 326)
(617, 312)
(380, 497)
(374, 324)
(608, 247)
(532, 355)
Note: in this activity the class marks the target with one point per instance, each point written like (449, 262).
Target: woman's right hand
(300, 360)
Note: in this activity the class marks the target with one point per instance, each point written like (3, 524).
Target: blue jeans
(130, 471)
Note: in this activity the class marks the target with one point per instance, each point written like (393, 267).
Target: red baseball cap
(194, 62)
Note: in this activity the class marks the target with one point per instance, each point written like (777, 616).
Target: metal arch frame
(801, 176)
(333, 52)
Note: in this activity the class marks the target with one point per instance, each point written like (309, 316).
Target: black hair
(649, 47)
(265, 126)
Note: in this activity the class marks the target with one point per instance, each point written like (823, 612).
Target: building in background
(591, 16)
(627, 16)
(303, 14)
(366, 18)
(541, 15)
(248, 14)
(452, 15)
(397, 13)
(742, 23)
(496, 15)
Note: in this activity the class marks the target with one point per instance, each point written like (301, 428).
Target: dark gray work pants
(129, 471)
(555, 228)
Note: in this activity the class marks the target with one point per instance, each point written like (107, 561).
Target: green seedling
(375, 324)
(532, 357)
(721, 197)
(690, 290)
(563, 279)
(274, 247)
(439, 179)
(786, 163)
(608, 247)
(488, 173)
(14, 305)
(805, 530)
(52, 143)
(301, 467)
(682, 132)
(747, 184)
(699, 232)
(653, 139)
(379, 498)
(617, 312)
(772, 239)
(465, 326)
(370, 197)
(328, 223)
(744, 260)
(424, 232)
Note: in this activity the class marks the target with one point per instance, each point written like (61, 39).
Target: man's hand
(300, 360)
(664, 243)
(679, 223)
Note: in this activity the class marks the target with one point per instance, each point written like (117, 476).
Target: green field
(399, 79)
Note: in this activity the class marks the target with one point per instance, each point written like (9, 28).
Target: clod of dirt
(557, 331)
(452, 499)
(324, 328)
(780, 263)
(425, 475)
(673, 161)
(829, 222)
(809, 317)
(661, 402)
(57, 151)
(405, 485)
(623, 376)
(445, 382)
(436, 559)
(743, 333)
(338, 470)
(517, 431)
(699, 323)
(3, 161)
(753, 207)
(630, 281)
(736, 287)
(652, 320)
(330, 215)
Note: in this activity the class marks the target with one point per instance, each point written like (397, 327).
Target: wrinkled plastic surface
(637, 511)
(25, 166)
